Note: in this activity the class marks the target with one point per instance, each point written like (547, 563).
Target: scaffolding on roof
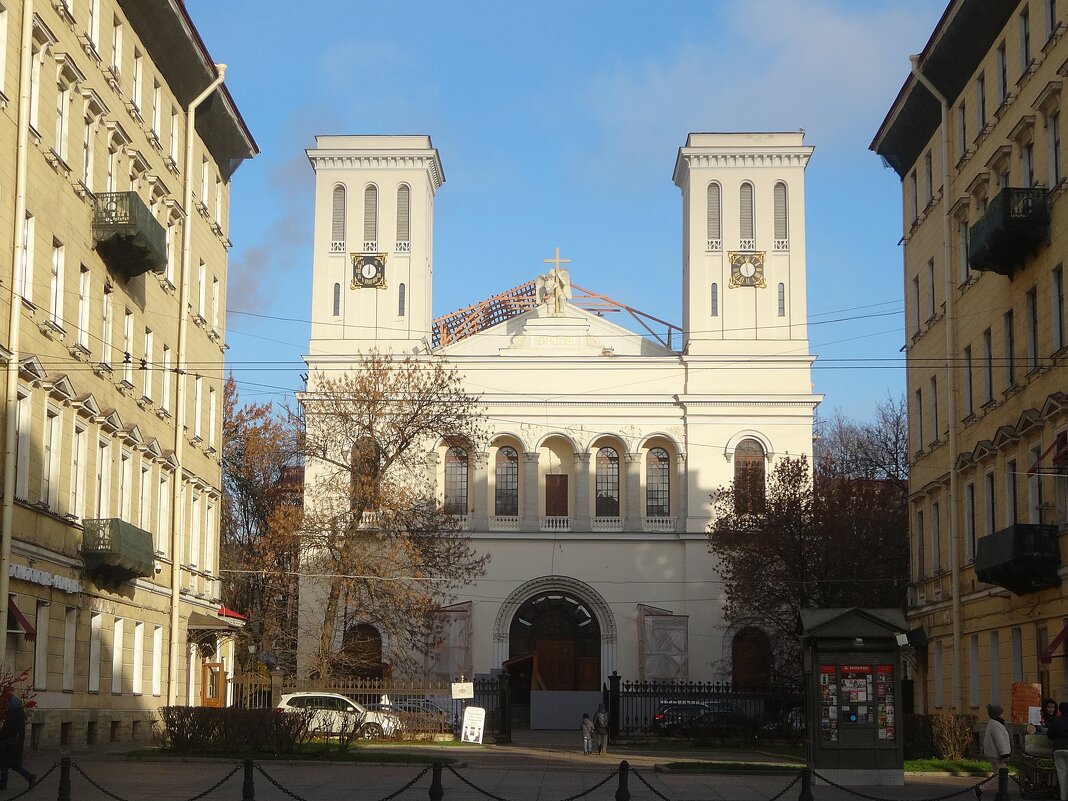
(462, 323)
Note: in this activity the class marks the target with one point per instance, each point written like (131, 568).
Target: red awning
(13, 611)
(225, 611)
(1059, 449)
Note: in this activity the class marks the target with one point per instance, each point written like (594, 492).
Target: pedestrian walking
(13, 739)
(997, 747)
(587, 734)
(600, 728)
(1058, 732)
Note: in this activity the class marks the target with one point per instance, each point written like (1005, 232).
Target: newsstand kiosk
(852, 676)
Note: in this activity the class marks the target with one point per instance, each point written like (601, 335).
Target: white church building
(592, 493)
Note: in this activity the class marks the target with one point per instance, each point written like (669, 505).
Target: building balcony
(1015, 223)
(1022, 558)
(555, 523)
(606, 524)
(658, 524)
(128, 238)
(504, 523)
(117, 550)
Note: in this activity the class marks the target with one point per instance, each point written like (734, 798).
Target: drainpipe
(18, 252)
(180, 360)
(951, 388)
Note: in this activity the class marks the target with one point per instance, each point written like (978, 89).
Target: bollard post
(437, 792)
(64, 779)
(248, 786)
(623, 790)
(1003, 785)
(806, 785)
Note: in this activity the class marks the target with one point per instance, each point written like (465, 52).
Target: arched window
(400, 300)
(715, 231)
(749, 477)
(782, 300)
(337, 300)
(715, 300)
(404, 228)
(337, 221)
(456, 481)
(782, 230)
(657, 484)
(365, 464)
(745, 217)
(370, 218)
(506, 497)
(607, 483)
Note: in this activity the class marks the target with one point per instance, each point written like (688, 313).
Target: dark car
(717, 718)
(672, 716)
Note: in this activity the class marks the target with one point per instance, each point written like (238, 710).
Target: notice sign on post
(463, 689)
(1024, 698)
(473, 725)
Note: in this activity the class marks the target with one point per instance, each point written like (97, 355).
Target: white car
(333, 713)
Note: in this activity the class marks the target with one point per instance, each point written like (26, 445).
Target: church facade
(591, 493)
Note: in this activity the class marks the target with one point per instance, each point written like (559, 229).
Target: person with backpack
(600, 728)
(587, 734)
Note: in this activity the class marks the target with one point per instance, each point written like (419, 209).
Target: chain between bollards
(806, 785)
(623, 790)
(437, 791)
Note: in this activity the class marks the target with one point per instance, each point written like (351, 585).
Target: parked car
(671, 716)
(334, 714)
(425, 714)
(717, 717)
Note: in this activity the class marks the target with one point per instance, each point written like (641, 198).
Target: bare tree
(377, 548)
(877, 449)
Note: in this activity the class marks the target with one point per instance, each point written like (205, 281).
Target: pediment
(540, 333)
(1030, 420)
(110, 421)
(61, 388)
(152, 448)
(1054, 405)
(32, 369)
(964, 461)
(850, 623)
(984, 449)
(86, 405)
(132, 435)
(1005, 435)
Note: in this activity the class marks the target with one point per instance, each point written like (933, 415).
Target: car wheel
(371, 731)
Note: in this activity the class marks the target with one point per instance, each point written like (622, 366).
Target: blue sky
(558, 125)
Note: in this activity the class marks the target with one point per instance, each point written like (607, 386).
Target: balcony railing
(504, 523)
(116, 550)
(658, 524)
(1023, 558)
(127, 236)
(1010, 231)
(606, 524)
(555, 523)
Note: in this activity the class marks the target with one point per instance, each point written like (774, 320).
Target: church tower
(373, 262)
(743, 251)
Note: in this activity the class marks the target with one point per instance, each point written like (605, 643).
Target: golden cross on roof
(557, 261)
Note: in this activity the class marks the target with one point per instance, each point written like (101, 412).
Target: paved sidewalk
(539, 766)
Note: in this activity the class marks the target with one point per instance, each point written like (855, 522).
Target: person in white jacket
(997, 747)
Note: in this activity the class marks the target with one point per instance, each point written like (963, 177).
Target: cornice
(349, 160)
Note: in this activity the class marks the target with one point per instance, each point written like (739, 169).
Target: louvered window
(714, 233)
(404, 225)
(745, 218)
(782, 300)
(400, 300)
(782, 231)
(370, 219)
(337, 221)
(715, 300)
(337, 300)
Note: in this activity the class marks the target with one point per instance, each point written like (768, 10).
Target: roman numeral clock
(747, 269)
(368, 271)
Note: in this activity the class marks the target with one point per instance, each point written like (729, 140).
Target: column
(581, 516)
(530, 520)
(680, 504)
(478, 521)
(632, 500)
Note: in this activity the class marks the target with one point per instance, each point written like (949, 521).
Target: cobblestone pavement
(538, 766)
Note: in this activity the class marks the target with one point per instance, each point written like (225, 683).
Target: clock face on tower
(369, 270)
(747, 269)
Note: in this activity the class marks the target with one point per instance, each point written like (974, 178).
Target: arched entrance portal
(560, 639)
(750, 660)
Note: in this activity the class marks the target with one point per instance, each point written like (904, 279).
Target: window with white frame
(35, 87)
(404, 225)
(127, 347)
(746, 217)
(22, 444)
(921, 546)
(105, 321)
(59, 144)
(1057, 306)
(939, 676)
(913, 198)
(337, 220)
(980, 102)
(934, 409)
(969, 399)
(169, 235)
(1032, 329)
(1035, 501)
(55, 288)
(928, 174)
(1003, 73)
(973, 670)
(1025, 39)
(147, 366)
(1053, 137)
(157, 660)
(103, 479)
(1027, 153)
(936, 538)
(51, 457)
(211, 417)
(370, 217)
(990, 518)
(931, 302)
(995, 664)
(204, 181)
(202, 277)
(3, 47)
(165, 379)
(163, 510)
(781, 217)
(969, 521)
(116, 45)
(218, 200)
(157, 111)
(138, 657)
(1011, 494)
(126, 485)
(209, 539)
(84, 292)
(173, 149)
(95, 626)
(216, 289)
(118, 643)
(988, 366)
(79, 456)
(198, 400)
(138, 79)
(962, 130)
(40, 646)
(88, 142)
(144, 501)
(962, 250)
(194, 531)
(25, 274)
(70, 641)
(713, 222)
(1017, 654)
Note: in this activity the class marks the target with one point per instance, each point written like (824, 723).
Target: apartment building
(976, 136)
(118, 142)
